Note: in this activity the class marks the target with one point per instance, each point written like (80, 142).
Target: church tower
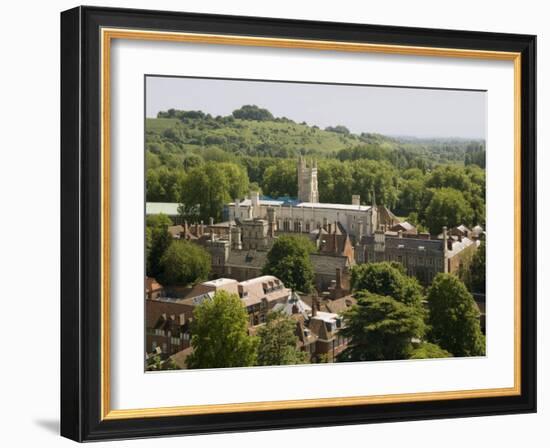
(307, 182)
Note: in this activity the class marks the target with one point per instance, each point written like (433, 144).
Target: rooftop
(167, 208)
(289, 202)
(220, 282)
(328, 206)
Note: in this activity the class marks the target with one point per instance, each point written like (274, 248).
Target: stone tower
(307, 181)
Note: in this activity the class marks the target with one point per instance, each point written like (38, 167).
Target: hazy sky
(385, 110)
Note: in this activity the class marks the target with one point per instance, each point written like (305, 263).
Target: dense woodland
(204, 162)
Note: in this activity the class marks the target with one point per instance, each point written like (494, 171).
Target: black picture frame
(81, 224)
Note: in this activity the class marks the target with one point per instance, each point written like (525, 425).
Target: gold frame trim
(107, 35)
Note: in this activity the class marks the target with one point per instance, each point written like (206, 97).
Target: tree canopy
(157, 242)
(477, 270)
(184, 263)
(380, 328)
(253, 112)
(220, 334)
(427, 350)
(454, 317)
(208, 187)
(277, 345)
(447, 207)
(387, 279)
(288, 259)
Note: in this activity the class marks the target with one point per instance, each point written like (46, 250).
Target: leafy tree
(208, 187)
(380, 328)
(336, 181)
(477, 270)
(158, 240)
(411, 195)
(454, 317)
(164, 184)
(449, 176)
(281, 179)
(448, 207)
(192, 160)
(387, 279)
(288, 259)
(278, 340)
(378, 177)
(220, 334)
(252, 112)
(339, 129)
(158, 221)
(427, 350)
(183, 263)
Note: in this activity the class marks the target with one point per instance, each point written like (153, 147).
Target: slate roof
(327, 264)
(322, 263)
(249, 259)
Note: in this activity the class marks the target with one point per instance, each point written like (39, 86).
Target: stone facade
(420, 255)
(306, 213)
(308, 190)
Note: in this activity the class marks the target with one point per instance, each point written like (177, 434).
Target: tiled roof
(338, 306)
(154, 309)
(151, 284)
(180, 357)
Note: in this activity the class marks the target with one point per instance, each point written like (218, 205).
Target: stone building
(305, 213)
(258, 295)
(166, 326)
(241, 265)
(421, 256)
(308, 190)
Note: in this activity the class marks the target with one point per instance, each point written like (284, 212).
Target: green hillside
(176, 136)
(247, 137)
(205, 162)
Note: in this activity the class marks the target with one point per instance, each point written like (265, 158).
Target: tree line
(448, 195)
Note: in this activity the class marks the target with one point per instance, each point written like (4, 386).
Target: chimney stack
(271, 222)
(314, 303)
(338, 278)
(355, 199)
(211, 221)
(445, 248)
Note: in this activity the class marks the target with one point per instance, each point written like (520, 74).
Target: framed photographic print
(272, 223)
